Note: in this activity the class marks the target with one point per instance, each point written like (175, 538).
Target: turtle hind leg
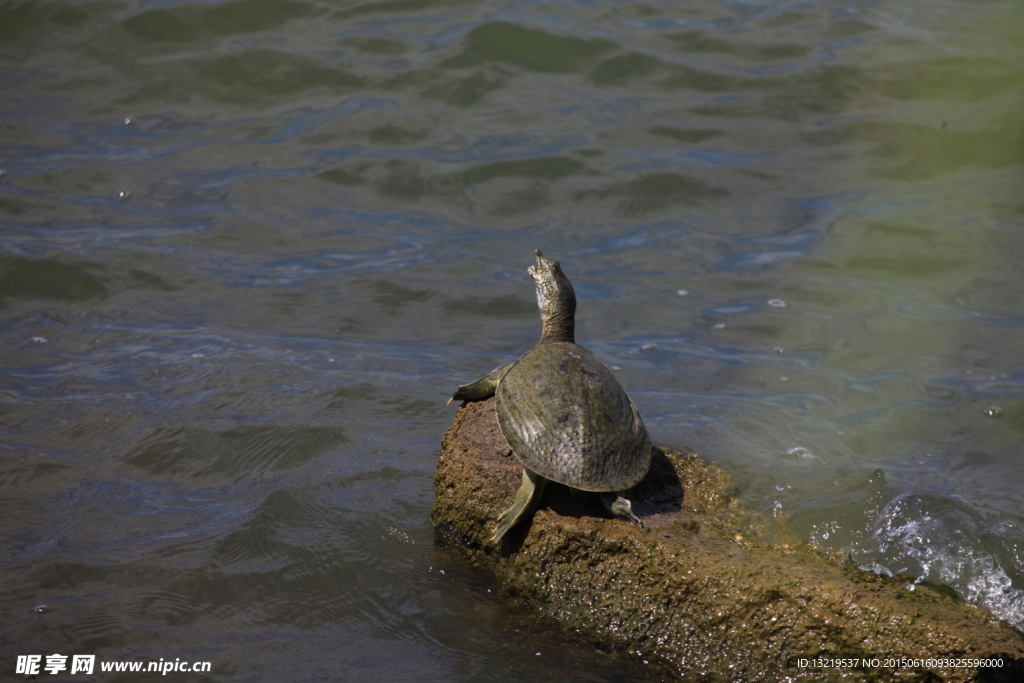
(620, 507)
(526, 500)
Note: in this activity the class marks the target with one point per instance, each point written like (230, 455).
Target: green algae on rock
(692, 593)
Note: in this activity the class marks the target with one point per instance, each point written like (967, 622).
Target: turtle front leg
(526, 500)
(483, 387)
(620, 507)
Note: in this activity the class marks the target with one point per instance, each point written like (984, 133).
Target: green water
(248, 249)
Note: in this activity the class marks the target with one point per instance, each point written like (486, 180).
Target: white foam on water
(940, 540)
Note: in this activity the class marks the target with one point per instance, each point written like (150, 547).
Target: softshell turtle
(563, 412)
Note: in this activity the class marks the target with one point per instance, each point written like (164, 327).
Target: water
(247, 250)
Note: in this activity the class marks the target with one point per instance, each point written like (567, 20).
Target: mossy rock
(694, 593)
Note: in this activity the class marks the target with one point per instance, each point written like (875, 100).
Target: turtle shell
(568, 419)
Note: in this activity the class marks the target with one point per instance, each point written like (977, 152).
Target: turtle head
(555, 298)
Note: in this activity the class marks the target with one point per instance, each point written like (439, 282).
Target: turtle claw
(499, 531)
(621, 508)
(507, 521)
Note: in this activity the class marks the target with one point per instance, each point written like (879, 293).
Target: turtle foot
(507, 520)
(483, 387)
(526, 500)
(621, 508)
(501, 528)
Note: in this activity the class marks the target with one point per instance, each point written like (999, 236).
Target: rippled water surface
(248, 248)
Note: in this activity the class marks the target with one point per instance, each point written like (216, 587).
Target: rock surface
(691, 593)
